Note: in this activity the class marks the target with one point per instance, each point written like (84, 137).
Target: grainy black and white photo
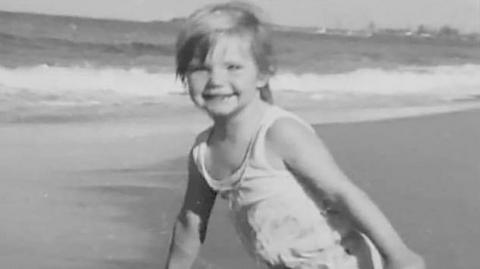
(215, 134)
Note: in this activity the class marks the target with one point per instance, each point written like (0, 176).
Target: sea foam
(97, 84)
(81, 80)
(442, 81)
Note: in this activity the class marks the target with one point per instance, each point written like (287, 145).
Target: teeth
(221, 97)
(226, 97)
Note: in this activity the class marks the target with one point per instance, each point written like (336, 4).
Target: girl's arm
(301, 151)
(191, 224)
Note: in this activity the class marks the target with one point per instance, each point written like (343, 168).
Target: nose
(216, 78)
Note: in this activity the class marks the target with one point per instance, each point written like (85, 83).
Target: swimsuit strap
(258, 151)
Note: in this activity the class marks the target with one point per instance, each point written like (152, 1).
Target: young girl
(291, 205)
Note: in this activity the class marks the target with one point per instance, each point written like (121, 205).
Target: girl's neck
(241, 123)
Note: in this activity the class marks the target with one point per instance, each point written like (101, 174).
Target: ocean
(58, 65)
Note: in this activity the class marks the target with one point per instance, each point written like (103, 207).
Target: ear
(185, 84)
(262, 80)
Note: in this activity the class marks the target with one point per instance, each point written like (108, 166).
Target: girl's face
(227, 81)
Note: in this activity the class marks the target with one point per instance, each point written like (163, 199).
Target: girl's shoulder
(285, 122)
(289, 129)
(200, 140)
(290, 133)
(202, 136)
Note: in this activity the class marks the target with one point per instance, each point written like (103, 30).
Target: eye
(196, 68)
(234, 67)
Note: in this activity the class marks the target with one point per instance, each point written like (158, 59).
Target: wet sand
(424, 173)
(105, 194)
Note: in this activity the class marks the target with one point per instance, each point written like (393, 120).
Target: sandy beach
(104, 194)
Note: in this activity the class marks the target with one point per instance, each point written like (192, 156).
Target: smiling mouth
(209, 97)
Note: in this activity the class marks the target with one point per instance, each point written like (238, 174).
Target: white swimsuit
(275, 217)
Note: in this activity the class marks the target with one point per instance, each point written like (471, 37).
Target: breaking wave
(98, 84)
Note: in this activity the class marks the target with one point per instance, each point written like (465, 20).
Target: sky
(461, 14)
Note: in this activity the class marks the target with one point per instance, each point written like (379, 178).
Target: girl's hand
(411, 261)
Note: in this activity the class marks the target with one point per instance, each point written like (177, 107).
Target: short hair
(203, 27)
